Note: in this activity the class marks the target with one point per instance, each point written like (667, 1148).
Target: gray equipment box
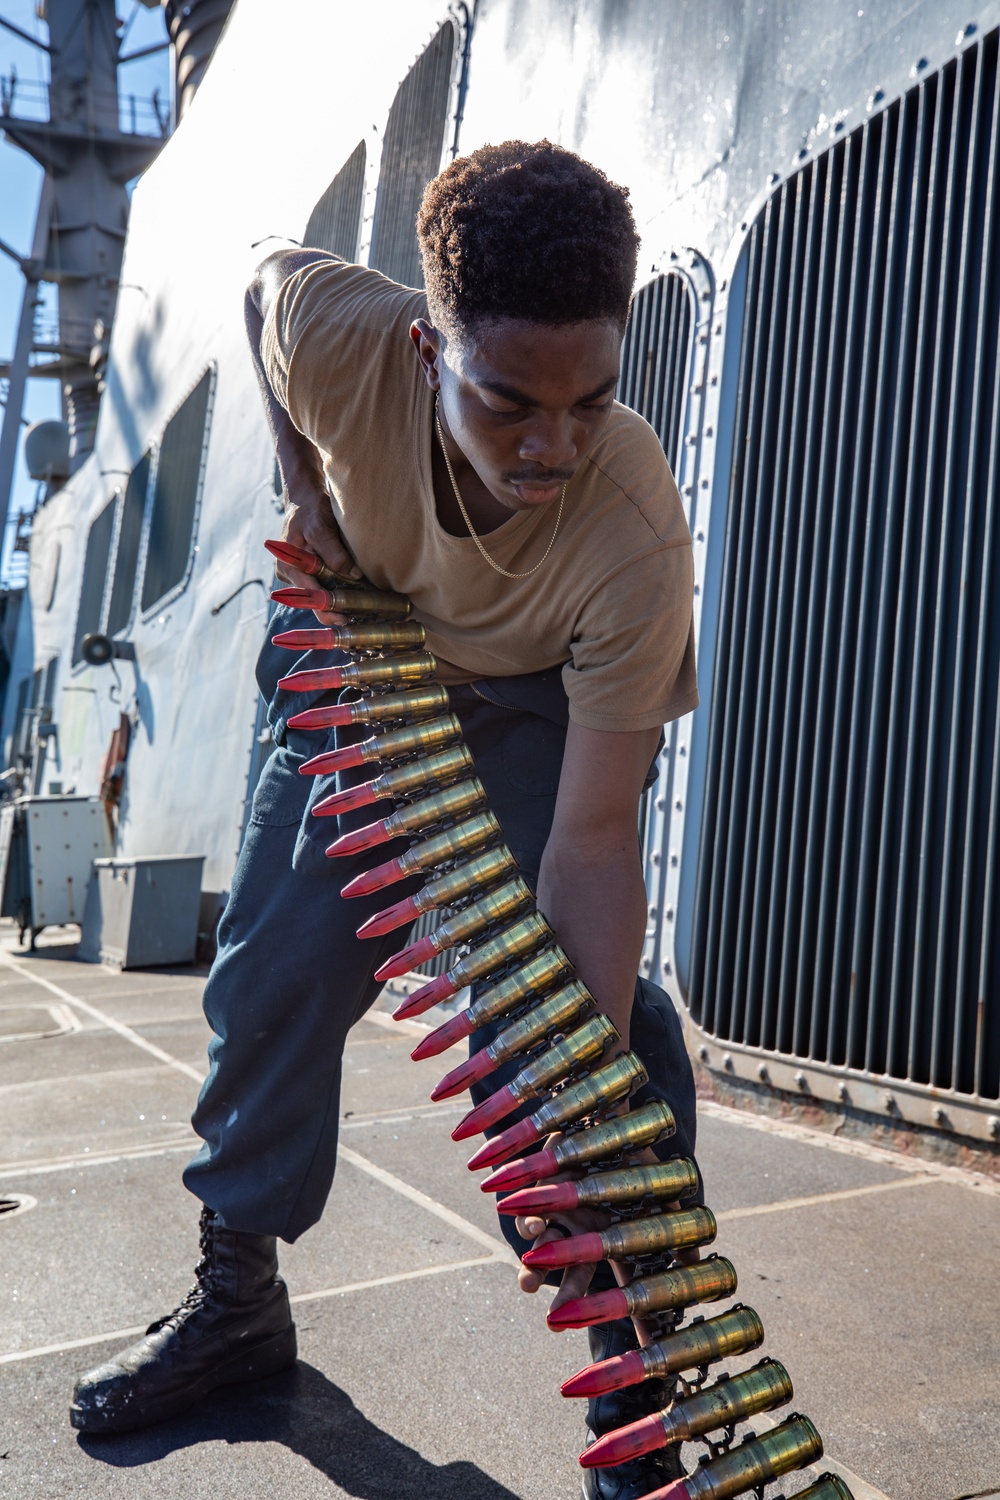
(47, 847)
(143, 911)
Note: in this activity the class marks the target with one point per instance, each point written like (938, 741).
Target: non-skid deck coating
(424, 1374)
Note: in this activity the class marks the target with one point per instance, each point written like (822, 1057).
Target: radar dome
(46, 450)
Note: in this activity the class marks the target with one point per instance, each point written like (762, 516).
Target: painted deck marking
(782, 1205)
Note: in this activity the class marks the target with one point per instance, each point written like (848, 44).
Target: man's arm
(309, 521)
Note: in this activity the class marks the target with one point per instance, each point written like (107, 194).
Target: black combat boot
(627, 1481)
(234, 1324)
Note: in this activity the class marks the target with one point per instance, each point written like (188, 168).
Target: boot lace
(204, 1282)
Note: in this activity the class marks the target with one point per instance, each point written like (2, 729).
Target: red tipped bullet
(388, 920)
(558, 1197)
(439, 989)
(368, 837)
(492, 1109)
(445, 1036)
(327, 639)
(306, 682)
(582, 1312)
(518, 1174)
(302, 598)
(333, 760)
(299, 559)
(347, 800)
(462, 1077)
(407, 958)
(514, 1138)
(322, 718)
(578, 1251)
(644, 1436)
(612, 1374)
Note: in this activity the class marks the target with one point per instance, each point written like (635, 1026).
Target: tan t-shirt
(613, 599)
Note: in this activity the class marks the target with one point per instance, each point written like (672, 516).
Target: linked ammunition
(589, 1042)
(629, 1241)
(441, 849)
(622, 1136)
(443, 767)
(722, 1405)
(532, 978)
(568, 1004)
(346, 601)
(531, 932)
(403, 635)
(412, 739)
(616, 1080)
(376, 671)
(420, 704)
(415, 817)
(465, 925)
(700, 1343)
(663, 1183)
(476, 874)
(708, 1281)
(791, 1445)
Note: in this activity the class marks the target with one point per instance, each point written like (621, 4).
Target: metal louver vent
(176, 493)
(127, 554)
(335, 222)
(656, 359)
(849, 865)
(95, 572)
(411, 156)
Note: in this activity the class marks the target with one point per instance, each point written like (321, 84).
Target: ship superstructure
(815, 340)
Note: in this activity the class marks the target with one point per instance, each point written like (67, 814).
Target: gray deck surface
(423, 1371)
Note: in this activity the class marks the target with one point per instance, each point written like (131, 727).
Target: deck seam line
(37, 1167)
(782, 1205)
(18, 1355)
(846, 1146)
(498, 1248)
(109, 1021)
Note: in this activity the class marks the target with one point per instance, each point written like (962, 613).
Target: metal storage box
(143, 911)
(47, 847)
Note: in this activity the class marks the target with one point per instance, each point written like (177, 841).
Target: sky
(20, 184)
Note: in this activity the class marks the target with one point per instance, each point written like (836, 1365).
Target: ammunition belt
(554, 1030)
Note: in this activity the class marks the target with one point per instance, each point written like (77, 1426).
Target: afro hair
(527, 231)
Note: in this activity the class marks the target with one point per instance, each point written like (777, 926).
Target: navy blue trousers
(291, 978)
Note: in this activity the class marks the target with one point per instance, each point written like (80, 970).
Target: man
(465, 449)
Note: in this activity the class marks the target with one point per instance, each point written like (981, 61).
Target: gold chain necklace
(466, 518)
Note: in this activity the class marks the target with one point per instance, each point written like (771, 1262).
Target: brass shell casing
(377, 671)
(450, 843)
(530, 933)
(624, 1134)
(616, 1080)
(663, 1183)
(708, 1281)
(827, 1487)
(412, 739)
(531, 978)
(586, 1044)
(388, 637)
(727, 1334)
(451, 803)
(676, 1231)
(494, 907)
(419, 704)
(790, 1445)
(567, 1004)
(446, 765)
(362, 603)
(484, 870)
(761, 1388)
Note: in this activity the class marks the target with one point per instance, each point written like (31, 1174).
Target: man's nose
(549, 441)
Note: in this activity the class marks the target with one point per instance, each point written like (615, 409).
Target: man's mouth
(538, 489)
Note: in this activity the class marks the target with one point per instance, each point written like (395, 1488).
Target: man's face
(524, 402)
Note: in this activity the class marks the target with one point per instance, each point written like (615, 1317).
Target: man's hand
(309, 523)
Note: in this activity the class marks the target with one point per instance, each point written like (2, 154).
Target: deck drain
(16, 1203)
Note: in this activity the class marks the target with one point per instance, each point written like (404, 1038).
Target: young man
(465, 449)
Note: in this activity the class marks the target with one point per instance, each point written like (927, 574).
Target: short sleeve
(633, 662)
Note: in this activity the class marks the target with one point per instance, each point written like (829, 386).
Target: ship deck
(423, 1372)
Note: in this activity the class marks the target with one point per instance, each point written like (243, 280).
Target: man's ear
(429, 344)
